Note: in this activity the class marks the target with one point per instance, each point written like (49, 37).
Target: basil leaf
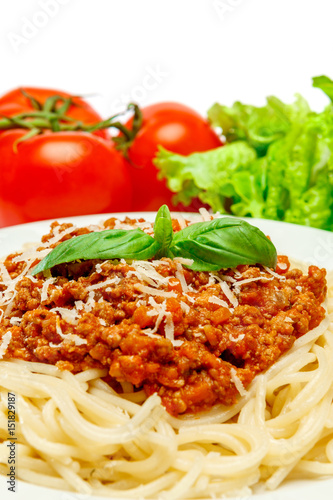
(163, 231)
(223, 243)
(109, 244)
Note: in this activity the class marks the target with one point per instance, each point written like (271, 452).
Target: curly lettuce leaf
(298, 188)
(249, 186)
(277, 162)
(259, 126)
(325, 84)
(292, 183)
(205, 175)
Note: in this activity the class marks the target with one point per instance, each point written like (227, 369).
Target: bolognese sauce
(195, 338)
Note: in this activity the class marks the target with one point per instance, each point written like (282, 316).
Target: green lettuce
(258, 126)
(205, 175)
(277, 162)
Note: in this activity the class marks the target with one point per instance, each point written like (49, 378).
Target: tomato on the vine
(21, 100)
(60, 174)
(57, 159)
(177, 128)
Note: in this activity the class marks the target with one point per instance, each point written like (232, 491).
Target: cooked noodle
(76, 433)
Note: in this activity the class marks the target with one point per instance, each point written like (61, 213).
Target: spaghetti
(78, 432)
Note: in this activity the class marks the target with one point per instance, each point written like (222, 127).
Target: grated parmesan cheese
(153, 291)
(146, 226)
(236, 339)
(230, 279)
(181, 220)
(276, 275)
(170, 331)
(216, 300)
(229, 294)
(90, 304)
(98, 267)
(159, 263)
(8, 295)
(10, 307)
(15, 320)
(5, 343)
(58, 235)
(180, 276)
(211, 279)
(31, 254)
(191, 299)
(169, 327)
(185, 307)
(237, 381)
(69, 336)
(110, 281)
(122, 225)
(146, 271)
(71, 316)
(249, 280)
(6, 279)
(182, 260)
(159, 310)
(79, 305)
(45, 287)
(206, 216)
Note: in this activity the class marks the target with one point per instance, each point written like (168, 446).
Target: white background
(193, 51)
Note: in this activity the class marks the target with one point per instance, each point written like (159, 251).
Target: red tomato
(178, 129)
(60, 174)
(15, 102)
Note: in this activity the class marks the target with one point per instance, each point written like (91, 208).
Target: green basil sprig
(163, 232)
(109, 244)
(221, 243)
(212, 245)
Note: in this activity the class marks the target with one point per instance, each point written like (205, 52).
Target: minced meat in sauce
(190, 337)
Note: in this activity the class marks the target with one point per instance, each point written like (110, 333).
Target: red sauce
(218, 341)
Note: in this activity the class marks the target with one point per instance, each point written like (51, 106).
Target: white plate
(313, 246)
